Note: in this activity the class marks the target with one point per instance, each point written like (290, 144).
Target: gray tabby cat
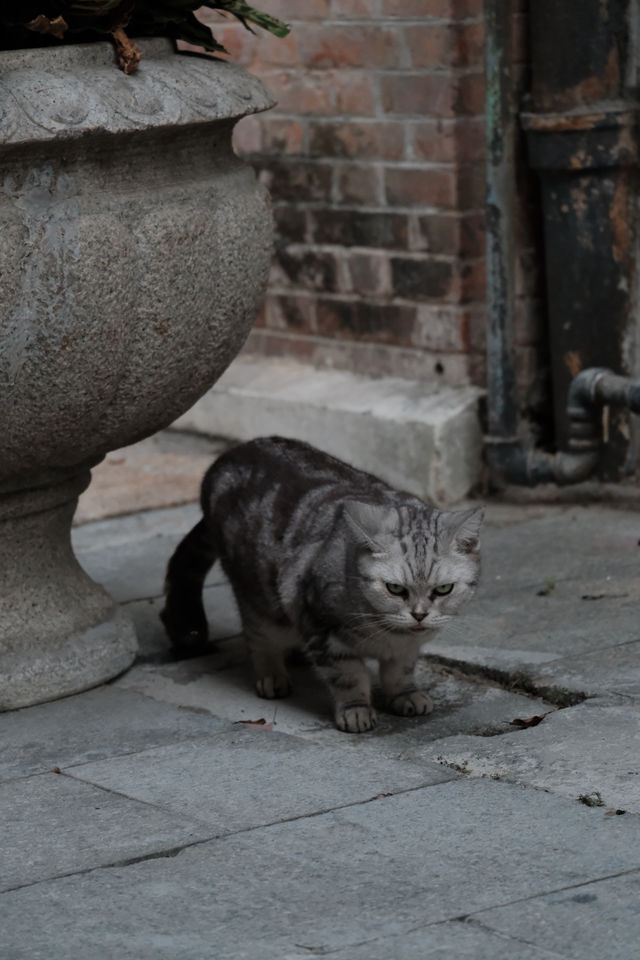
(320, 553)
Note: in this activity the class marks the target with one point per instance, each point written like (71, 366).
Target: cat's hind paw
(356, 719)
(273, 687)
(414, 703)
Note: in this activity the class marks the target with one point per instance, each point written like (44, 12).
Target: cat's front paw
(356, 719)
(415, 703)
(273, 687)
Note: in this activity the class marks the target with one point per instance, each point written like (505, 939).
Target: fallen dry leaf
(261, 724)
(530, 721)
(126, 50)
(41, 24)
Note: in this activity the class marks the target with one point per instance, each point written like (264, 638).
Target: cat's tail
(183, 615)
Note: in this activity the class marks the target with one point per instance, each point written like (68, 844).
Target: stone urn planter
(134, 249)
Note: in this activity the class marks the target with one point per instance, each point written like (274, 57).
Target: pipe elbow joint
(574, 467)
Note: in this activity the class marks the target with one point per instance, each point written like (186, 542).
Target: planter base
(60, 632)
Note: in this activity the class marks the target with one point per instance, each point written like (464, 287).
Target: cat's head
(414, 566)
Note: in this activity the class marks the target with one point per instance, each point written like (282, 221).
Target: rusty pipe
(589, 392)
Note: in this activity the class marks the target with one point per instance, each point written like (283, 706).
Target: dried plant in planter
(46, 22)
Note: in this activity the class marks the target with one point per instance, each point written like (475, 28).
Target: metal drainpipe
(508, 460)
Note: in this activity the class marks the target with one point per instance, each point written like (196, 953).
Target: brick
(370, 274)
(469, 95)
(375, 141)
(435, 233)
(437, 9)
(473, 280)
(290, 223)
(300, 182)
(441, 329)
(421, 278)
(308, 268)
(410, 94)
(469, 45)
(290, 312)
(473, 235)
(439, 45)
(238, 42)
(299, 92)
(353, 92)
(343, 45)
(446, 140)
(277, 51)
(470, 139)
(355, 228)
(430, 44)
(433, 140)
(359, 184)
(477, 327)
(452, 234)
(282, 136)
(292, 10)
(415, 186)
(472, 187)
(362, 320)
(354, 9)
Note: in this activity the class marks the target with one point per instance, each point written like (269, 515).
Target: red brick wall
(374, 159)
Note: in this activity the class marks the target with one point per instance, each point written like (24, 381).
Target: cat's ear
(369, 522)
(466, 529)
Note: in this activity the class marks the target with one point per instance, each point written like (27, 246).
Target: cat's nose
(419, 616)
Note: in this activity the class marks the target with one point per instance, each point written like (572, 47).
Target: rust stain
(580, 160)
(619, 219)
(602, 86)
(572, 362)
(559, 122)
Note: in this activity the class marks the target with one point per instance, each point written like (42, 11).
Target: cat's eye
(443, 589)
(397, 590)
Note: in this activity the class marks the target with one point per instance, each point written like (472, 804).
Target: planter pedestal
(62, 632)
(134, 251)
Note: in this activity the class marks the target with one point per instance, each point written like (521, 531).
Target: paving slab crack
(518, 681)
(521, 941)
(174, 851)
(465, 917)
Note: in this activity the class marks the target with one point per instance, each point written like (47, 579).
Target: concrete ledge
(419, 436)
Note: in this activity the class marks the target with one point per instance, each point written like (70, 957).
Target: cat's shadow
(221, 682)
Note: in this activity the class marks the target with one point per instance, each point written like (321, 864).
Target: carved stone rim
(61, 93)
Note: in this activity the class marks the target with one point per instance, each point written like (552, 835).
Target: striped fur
(309, 545)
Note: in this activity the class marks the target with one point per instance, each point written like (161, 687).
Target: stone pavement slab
(590, 748)
(252, 777)
(129, 555)
(598, 920)
(375, 869)
(53, 825)
(456, 940)
(92, 726)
